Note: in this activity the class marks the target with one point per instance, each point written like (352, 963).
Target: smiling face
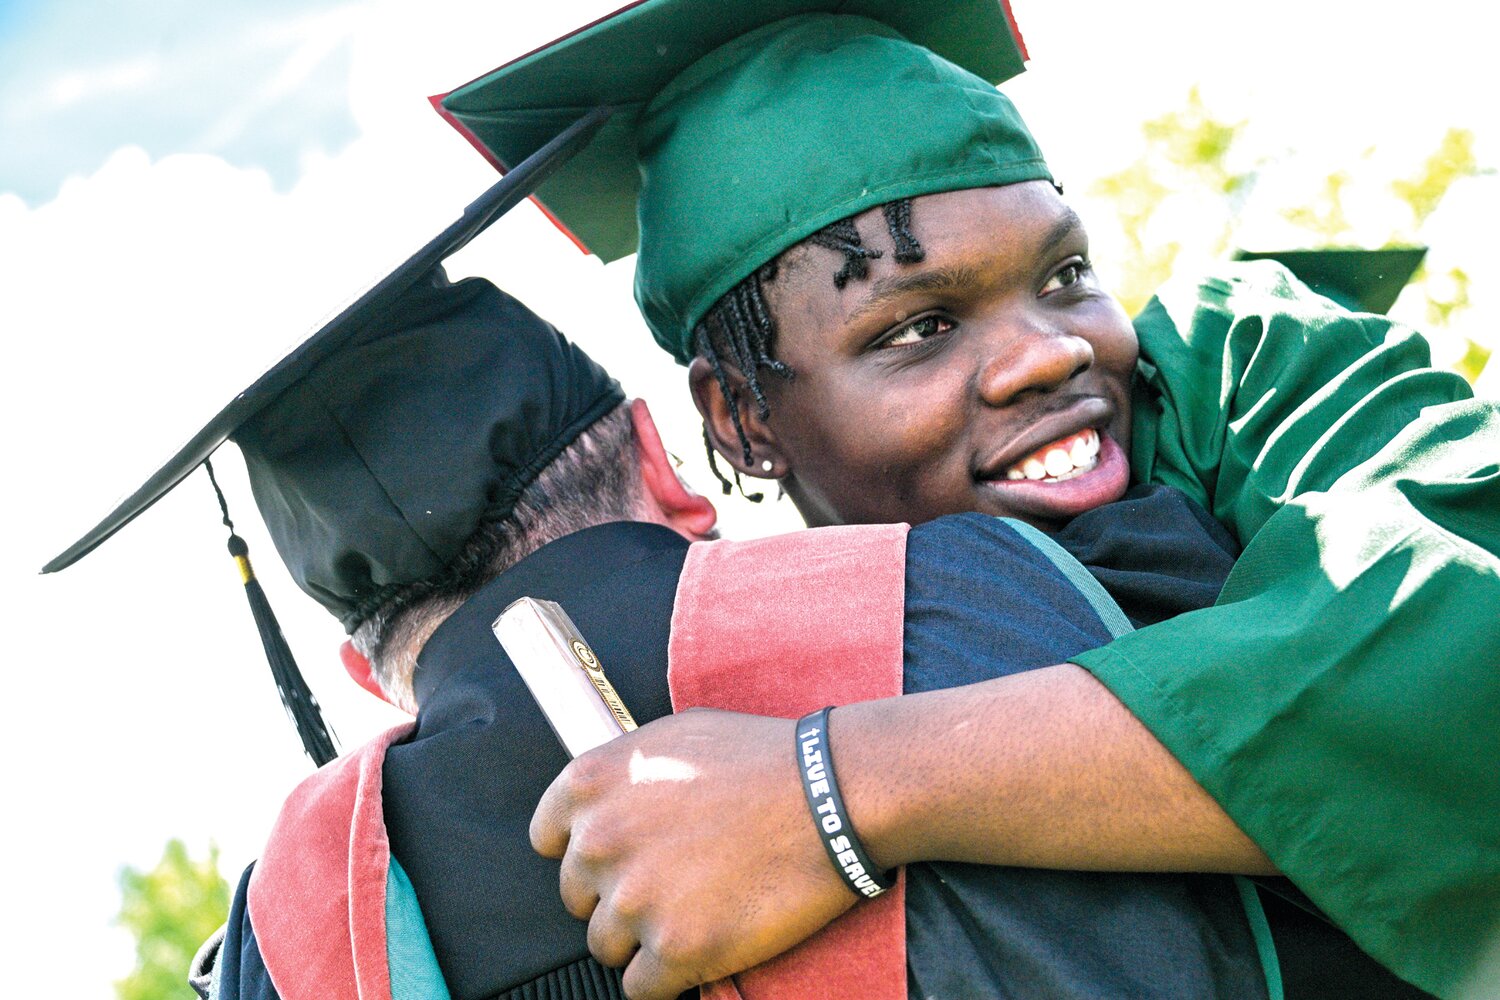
(992, 376)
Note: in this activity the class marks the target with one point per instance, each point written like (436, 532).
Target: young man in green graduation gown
(1340, 703)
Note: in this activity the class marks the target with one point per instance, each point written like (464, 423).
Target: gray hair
(595, 480)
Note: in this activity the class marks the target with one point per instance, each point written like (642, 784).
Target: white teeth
(1058, 463)
(1085, 448)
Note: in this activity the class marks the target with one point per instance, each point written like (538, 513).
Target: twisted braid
(843, 237)
(898, 224)
(740, 328)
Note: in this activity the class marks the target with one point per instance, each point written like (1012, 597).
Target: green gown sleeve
(1341, 701)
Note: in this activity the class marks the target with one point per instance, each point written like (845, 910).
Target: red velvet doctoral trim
(783, 626)
(317, 896)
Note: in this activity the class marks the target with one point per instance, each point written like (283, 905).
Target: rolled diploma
(564, 676)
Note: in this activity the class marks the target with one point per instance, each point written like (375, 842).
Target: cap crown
(375, 468)
(783, 131)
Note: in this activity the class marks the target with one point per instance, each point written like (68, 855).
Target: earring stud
(767, 465)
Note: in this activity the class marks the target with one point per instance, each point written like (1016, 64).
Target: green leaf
(171, 910)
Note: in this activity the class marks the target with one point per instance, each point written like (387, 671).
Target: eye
(916, 331)
(1072, 273)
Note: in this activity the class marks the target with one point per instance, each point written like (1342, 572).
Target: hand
(688, 847)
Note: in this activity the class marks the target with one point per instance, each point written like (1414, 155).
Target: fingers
(580, 786)
(590, 857)
(611, 938)
(552, 822)
(655, 895)
(619, 910)
(648, 977)
(577, 881)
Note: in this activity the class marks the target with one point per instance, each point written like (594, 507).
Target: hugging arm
(738, 874)
(1340, 705)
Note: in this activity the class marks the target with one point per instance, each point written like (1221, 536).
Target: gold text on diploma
(595, 673)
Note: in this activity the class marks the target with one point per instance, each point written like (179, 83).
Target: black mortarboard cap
(379, 445)
(363, 317)
(375, 467)
(1362, 280)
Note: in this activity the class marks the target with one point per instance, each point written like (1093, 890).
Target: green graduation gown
(1342, 699)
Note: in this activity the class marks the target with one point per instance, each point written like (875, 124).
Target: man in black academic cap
(454, 455)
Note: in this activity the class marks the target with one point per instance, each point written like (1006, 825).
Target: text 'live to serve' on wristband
(848, 855)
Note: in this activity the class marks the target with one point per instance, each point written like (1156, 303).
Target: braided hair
(739, 328)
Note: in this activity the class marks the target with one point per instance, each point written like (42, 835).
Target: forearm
(1042, 768)
(1039, 769)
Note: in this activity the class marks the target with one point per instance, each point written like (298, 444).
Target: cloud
(76, 87)
(260, 84)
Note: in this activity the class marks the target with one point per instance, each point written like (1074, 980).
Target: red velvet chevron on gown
(831, 602)
(317, 896)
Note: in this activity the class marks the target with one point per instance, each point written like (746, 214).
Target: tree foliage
(1452, 161)
(1187, 157)
(171, 910)
(1194, 166)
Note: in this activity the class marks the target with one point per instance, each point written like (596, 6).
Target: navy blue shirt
(982, 602)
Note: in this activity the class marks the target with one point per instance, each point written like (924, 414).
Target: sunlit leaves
(171, 910)
(1186, 199)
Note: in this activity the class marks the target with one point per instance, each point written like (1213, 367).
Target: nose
(1031, 361)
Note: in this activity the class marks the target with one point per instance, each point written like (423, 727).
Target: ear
(364, 675)
(718, 421)
(685, 512)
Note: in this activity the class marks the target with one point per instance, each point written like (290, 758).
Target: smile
(1059, 461)
(1060, 480)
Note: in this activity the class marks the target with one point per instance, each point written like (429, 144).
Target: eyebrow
(1066, 225)
(943, 279)
(946, 279)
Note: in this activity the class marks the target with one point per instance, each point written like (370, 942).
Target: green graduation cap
(740, 129)
(380, 444)
(1362, 280)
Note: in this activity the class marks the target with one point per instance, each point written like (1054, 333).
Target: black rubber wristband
(815, 763)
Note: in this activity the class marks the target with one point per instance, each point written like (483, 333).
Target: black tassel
(296, 697)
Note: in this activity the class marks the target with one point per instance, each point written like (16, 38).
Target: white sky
(140, 293)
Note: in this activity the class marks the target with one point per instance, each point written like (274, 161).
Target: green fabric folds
(1342, 700)
(789, 128)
